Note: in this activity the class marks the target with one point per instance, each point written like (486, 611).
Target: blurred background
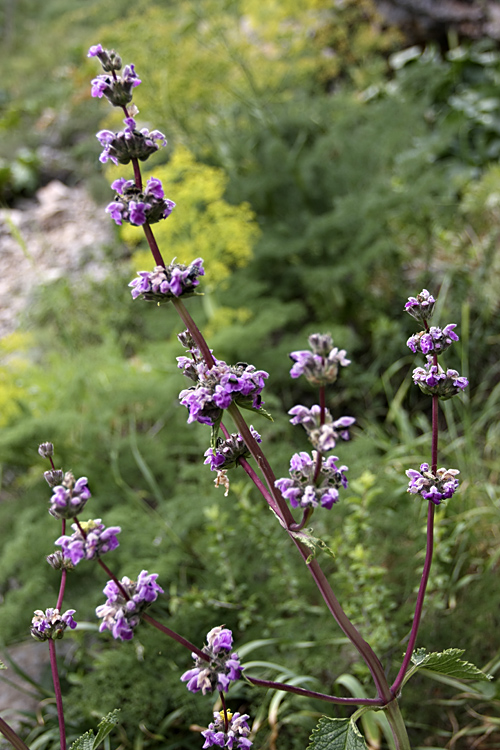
(328, 160)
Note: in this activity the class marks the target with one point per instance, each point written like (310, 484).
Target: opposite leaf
(449, 663)
(336, 734)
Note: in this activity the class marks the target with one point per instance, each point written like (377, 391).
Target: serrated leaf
(336, 734)
(105, 726)
(314, 543)
(85, 742)
(449, 663)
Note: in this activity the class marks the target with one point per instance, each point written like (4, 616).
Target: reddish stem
(172, 634)
(57, 690)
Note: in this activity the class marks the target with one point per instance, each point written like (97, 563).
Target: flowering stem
(194, 331)
(364, 649)
(114, 578)
(172, 634)
(60, 598)
(12, 736)
(313, 694)
(57, 690)
(224, 708)
(428, 559)
(420, 600)
(153, 246)
(259, 484)
(137, 174)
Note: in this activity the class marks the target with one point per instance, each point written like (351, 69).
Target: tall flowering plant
(315, 481)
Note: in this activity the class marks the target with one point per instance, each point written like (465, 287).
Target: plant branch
(314, 694)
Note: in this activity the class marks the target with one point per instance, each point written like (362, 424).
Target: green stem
(397, 725)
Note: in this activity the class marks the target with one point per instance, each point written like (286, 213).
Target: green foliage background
(327, 173)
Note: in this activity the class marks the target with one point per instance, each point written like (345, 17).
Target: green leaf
(2, 665)
(105, 726)
(336, 734)
(85, 742)
(314, 543)
(88, 742)
(448, 663)
(247, 403)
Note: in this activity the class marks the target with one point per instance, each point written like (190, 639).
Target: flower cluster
(163, 284)
(433, 380)
(51, 624)
(125, 603)
(89, 540)
(308, 487)
(130, 143)
(421, 307)
(70, 497)
(435, 340)
(322, 436)
(216, 387)
(116, 89)
(435, 487)
(226, 453)
(139, 206)
(321, 365)
(231, 732)
(222, 667)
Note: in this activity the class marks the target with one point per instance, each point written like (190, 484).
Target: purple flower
(131, 143)
(421, 307)
(434, 487)
(320, 366)
(163, 284)
(435, 340)
(216, 387)
(221, 668)
(97, 541)
(117, 89)
(51, 624)
(125, 603)
(434, 381)
(228, 730)
(70, 497)
(322, 436)
(227, 452)
(301, 489)
(139, 206)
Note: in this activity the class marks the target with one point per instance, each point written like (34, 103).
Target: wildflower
(301, 489)
(125, 603)
(226, 453)
(163, 284)
(320, 366)
(53, 477)
(130, 143)
(137, 206)
(435, 340)
(421, 307)
(46, 450)
(228, 730)
(94, 542)
(216, 387)
(116, 89)
(51, 624)
(222, 668)
(434, 381)
(58, 561)
(70, 497)
(435, 487)
(322, 436)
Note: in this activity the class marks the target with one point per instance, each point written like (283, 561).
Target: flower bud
(46, 450)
